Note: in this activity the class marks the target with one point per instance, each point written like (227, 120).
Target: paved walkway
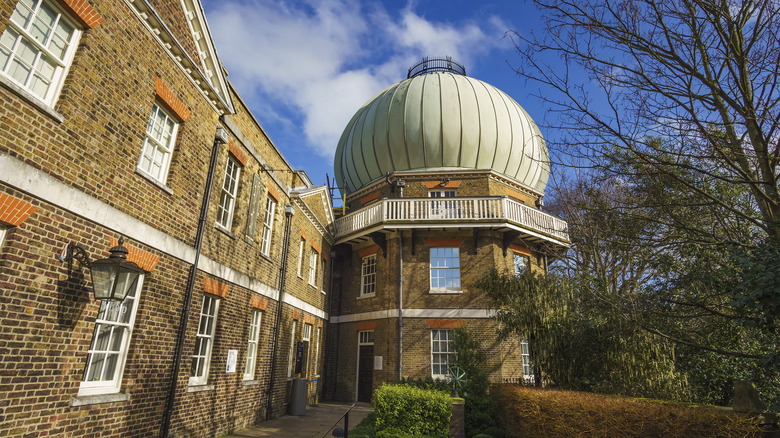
(317, 423)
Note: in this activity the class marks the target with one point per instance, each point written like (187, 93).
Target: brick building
(110, 114)
(118, 125)
(444, 176)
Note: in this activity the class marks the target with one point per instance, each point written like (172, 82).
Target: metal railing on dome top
(430, 65)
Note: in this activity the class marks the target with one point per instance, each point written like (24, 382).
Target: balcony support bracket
(509, 237)
(381, 240)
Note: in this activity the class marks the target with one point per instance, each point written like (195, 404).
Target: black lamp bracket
(75, 251)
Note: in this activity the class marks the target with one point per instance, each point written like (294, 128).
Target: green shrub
(412, 410)
(391, 433)
(494, 432)
(482, 435)
(366, 428)
(426, 383)
(480, 409)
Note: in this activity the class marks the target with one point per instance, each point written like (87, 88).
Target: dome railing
(431, 65)
(474, 212)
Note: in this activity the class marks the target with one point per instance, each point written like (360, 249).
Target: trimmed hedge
(534, 412)
(412, 410)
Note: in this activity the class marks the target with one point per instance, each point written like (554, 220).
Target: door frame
(369, 341)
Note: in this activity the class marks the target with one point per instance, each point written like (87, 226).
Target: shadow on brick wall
(73, 296)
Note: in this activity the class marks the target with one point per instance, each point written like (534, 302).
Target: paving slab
(318, 422)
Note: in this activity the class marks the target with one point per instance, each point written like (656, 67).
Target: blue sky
(305, 67)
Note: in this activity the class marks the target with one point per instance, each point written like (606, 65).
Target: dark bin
(300, 389)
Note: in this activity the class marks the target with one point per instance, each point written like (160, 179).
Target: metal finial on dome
(430, 65)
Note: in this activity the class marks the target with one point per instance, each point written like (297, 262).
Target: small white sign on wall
(231, 361)
(378, 363)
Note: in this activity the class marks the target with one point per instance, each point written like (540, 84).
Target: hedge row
(532, 412)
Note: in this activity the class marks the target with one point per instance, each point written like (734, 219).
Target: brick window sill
(86, 400)
(250, 382)
(363, 297)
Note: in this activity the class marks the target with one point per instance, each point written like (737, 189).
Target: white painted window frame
(300, 257)
(41, 49)
(114, 384)
(227, 198)
(528, 368)
(313, 257)
(252, 344)
(439, 257)
(443, 209)
(519, 268)
(154, 149)
(368, 276)
(268, 225)
(207, 326)
(437, 353)
(3, 233)
(317, 340)
(291, 357)
(307, 329)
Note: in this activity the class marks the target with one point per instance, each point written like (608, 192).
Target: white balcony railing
(452, 210)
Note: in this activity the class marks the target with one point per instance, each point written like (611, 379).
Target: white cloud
(310, 65)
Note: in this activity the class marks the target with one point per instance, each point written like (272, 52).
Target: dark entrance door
(365, 372)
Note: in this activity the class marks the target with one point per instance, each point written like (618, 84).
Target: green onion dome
(441, 120)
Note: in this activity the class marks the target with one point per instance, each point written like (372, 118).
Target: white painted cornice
(220, 100)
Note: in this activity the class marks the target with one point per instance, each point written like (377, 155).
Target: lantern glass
(112, 279)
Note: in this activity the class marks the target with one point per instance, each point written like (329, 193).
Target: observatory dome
(440, 120)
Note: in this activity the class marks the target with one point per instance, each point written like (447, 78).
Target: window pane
(96, 366)
(102, 334)
(19, 71)
(22, 13)
(110, 366)
(40, 30)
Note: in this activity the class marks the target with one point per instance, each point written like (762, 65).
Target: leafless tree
(701, 76)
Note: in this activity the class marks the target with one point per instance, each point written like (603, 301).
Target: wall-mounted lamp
(444, 182)
(112, 277)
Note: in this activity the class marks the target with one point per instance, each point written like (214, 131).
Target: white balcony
(494, 213)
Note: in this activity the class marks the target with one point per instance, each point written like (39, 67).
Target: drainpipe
(326, 374)
(289, 211)
(400, 183)
(220, 138)
(400, 304)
